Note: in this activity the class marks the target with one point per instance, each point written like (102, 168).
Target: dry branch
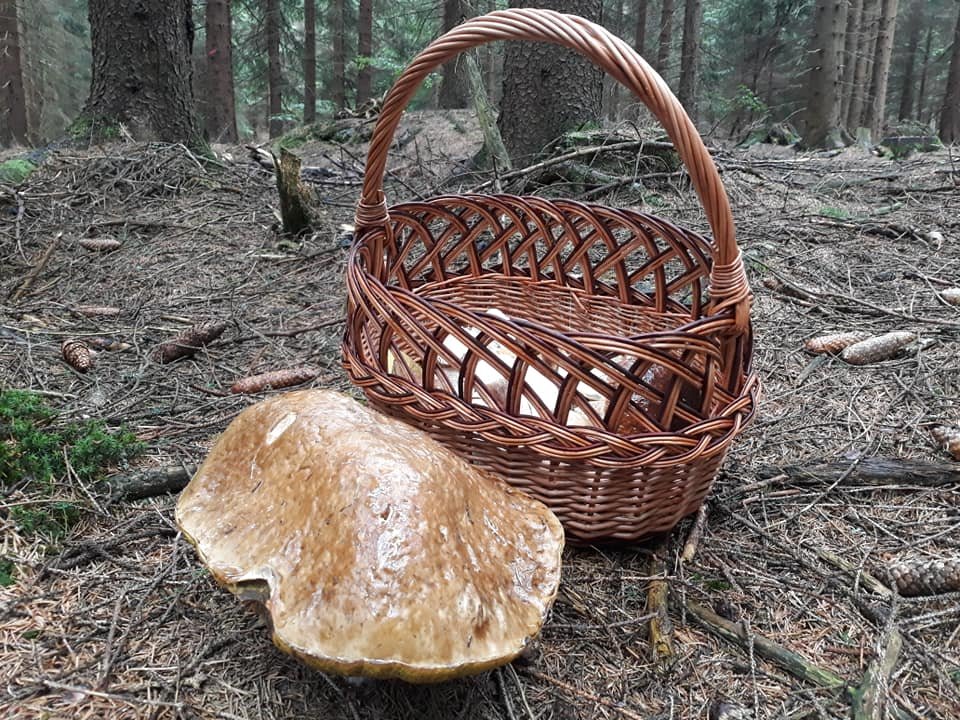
(774, 652)
(661, 627)
(696, 532)
(870, 472)
(150, 483)
(37, 269)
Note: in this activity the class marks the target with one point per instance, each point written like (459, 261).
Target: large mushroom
(375, 550)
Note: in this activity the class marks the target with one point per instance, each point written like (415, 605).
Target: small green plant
(833, 212)
(35, 451)
(14, 172)
(7, 569)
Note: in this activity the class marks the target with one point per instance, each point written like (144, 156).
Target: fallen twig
(31, 276)
(140, 485)
(869, 699)
(870, 472)
(774, 652)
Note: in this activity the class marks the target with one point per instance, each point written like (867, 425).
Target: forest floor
(119, 619)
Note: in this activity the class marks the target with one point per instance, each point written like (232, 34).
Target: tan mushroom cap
(375, 550)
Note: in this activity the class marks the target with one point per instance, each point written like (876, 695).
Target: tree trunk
(274, 73)
(453, 85)
(640, 31)
(690, 56)
(221, 112)
(142, 74)
(547, 90)
(365, 51)
(309, 61)
(950, 115)
(876, 111)
(338, 91)
(850, 46)
(821, 119)
(666, 37)
(914, 24)
(866, 37)
(924, 72)
(13, 100)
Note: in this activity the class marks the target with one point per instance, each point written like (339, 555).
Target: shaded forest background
(753, 57)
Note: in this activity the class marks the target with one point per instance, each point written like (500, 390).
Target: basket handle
(728, 281)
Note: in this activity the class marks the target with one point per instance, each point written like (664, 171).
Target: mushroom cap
(375, 550)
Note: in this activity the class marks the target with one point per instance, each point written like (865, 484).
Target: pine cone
(875, 349)
(949, 439)
(834, 342)
(951, 295)
(929, 577)
(100, 244)
(275, 379)
(96, 310)
(189, 341)
(77, 355)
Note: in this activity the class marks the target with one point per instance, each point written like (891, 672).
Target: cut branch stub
(189, 341)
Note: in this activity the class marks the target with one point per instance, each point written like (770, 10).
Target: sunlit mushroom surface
(375, 550)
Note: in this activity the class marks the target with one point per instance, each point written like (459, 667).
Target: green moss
(35, 452)
(14, 172)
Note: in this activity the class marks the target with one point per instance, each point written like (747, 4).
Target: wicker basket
(595, 357)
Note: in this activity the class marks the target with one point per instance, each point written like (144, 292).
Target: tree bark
(821, 119)
(690, 57)
(914, 23)
(221, 106)
(924, 72)
(850, 46)
(274, 72)
(547, 90)
(365, 51)
(142, 74)
(866, 38)
(13, 99)
(640, 31)
(338, 92)
(453, 85)
(876, 110)
(309, 61)
(666, 37)
(950, 114)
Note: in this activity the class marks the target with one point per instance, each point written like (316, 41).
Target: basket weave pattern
(595, 357)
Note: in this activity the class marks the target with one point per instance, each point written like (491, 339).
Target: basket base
(595, 504)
